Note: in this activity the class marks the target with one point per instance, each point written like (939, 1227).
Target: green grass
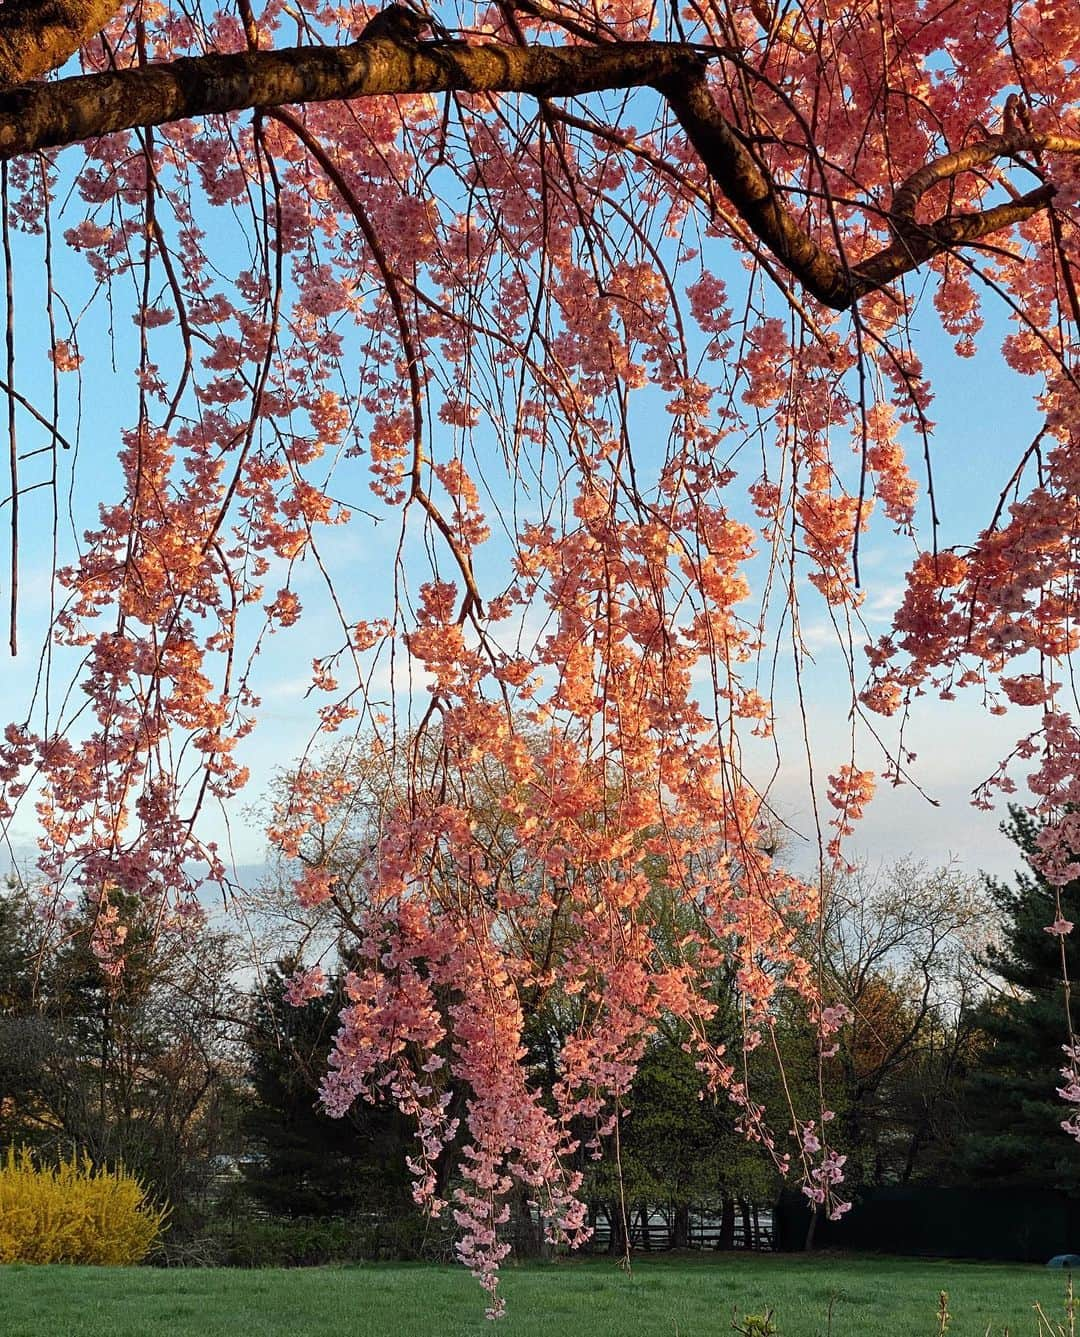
(872, 1297)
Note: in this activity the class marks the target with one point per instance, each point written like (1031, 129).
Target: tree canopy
(595, 320)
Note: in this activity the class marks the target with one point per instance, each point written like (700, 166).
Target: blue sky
(985, 418)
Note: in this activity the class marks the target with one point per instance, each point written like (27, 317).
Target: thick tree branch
(37, 36)
(48, 115)
(918, 242)
(747, 185)
(743, 180)
(921, 242)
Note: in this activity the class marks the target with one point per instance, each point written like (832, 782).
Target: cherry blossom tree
(597, 319)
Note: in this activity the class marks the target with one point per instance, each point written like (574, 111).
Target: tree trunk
(528, 1234)
(914, 1147)
(617, 1234)
(726, 1238)
(811, 1228)
(747, 1232)
(680, 1235)
(37, 38)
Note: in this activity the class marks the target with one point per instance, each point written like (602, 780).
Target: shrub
(314, 1241)
(73, 1213)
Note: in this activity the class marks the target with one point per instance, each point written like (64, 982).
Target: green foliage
(140, 1070)
(312, 1242)
(308, 1164)
(23, 1041)
(678, 1147)
(1013, 1113)
(73, 1213)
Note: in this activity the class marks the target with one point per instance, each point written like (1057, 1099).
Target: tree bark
(37, 36)
(83, 107)
(748, 187)
(643, 1223)
(726, 1238)
(680, 1235)
(617, 1235)
(811, 1228)
(528, 1233)
(747, 1229)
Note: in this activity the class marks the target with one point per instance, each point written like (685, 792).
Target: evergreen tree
(1013, 1111)
(310, 1164)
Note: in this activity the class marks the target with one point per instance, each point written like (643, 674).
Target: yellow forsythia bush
(73, 1213)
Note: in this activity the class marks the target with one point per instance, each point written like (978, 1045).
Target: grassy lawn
(872, 1297)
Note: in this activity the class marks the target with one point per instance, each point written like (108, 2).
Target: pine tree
(309, 1163)
(1014, 1113)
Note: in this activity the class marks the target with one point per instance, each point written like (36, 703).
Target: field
(871, 1297)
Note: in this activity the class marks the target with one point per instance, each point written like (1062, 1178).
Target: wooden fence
(653, 1228)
